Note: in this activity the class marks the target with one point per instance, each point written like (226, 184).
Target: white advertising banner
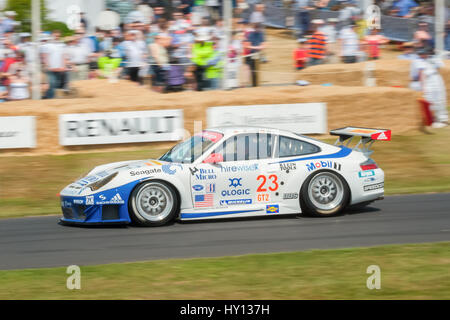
(297, 117)
(17, 132)
(120, 127)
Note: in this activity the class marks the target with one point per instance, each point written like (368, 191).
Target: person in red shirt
(372, 43)
(300, 55)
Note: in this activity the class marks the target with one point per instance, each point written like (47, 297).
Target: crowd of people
(178, 48)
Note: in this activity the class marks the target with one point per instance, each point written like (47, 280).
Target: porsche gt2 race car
(232, 172)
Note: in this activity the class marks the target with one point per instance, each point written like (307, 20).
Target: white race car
(232, 172)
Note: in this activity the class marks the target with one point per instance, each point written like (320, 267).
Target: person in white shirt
(433, 87)
(78, 54)
(135, 55)
(55, 62)
(349, 44)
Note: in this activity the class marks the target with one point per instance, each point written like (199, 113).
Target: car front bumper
(82, 210)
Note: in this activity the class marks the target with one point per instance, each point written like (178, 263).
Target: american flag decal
(203, 200)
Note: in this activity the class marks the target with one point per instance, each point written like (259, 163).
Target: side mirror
(214, 158)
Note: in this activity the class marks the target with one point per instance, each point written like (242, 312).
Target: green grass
(414, 163)
(419, 271)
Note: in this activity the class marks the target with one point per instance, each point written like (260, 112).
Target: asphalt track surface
(42, 242)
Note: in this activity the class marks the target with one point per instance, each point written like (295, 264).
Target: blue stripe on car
(211, 214)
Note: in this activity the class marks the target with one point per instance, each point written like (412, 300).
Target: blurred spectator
(330, 30)
(9, 23)
(372, 44)
(55, 63)
(202, 51)
(317, 44)
(235, 62)
(83, 21)
(300, 57)
(175, 75)
(214, 68)
(255, 43)
(403, 8)
(213, 8)
(422, 36)
(186, 6)
(78, 54)
(347, 12)
(160, 63)
(433, 87)
(134, 51)
(349, 44)
(257, 15)
(304, 7)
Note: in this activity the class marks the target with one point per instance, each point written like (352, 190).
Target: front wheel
(324, 194)
(152, 204)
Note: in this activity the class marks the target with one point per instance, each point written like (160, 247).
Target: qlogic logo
(323, 164)
(235, 183)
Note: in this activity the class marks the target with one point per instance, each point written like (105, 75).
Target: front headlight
(100, 183)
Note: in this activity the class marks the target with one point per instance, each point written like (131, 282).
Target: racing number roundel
(272, 185)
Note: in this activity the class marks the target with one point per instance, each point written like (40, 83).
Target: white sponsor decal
(17, 132)
(120, 127)
(117, 199)
(375, 186)
(297, 117)
(89, 200)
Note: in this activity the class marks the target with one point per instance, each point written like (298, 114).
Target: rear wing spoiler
(367, 137)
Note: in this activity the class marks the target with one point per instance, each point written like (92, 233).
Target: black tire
(150, 197)
(312, 192)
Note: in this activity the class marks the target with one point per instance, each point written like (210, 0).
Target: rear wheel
(324, 193)
(153, 203)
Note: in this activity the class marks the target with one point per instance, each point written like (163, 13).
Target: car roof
(232, 130)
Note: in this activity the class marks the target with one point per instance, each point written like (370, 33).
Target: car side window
(251, 146)
(289, 147)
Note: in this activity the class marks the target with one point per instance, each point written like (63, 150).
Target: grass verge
(415, 163)
(413, 271)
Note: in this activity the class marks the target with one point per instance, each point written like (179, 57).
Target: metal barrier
(278, 15)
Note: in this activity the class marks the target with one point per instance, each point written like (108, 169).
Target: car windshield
(189, 150)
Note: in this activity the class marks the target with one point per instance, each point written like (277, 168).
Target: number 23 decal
(273, 183)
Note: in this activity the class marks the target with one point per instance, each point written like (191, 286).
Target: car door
(244, 180)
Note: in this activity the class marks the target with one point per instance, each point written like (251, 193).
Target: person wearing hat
(317, 44)
(202, 52)
(9, 23)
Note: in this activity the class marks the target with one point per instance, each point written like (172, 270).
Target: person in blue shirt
(255, 43)
(404, 7)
